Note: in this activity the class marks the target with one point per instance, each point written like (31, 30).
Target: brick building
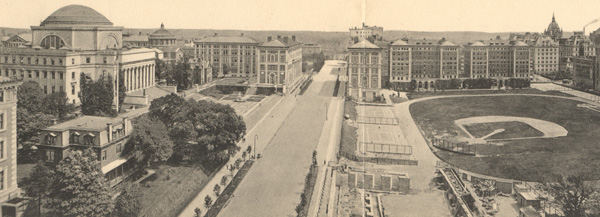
(280, 63)
(365, 70)
(235, 55)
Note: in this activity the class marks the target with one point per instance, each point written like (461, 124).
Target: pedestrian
(271, 116)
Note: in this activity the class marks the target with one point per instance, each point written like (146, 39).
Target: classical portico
(138, 76)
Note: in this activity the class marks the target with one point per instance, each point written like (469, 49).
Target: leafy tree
(206, 130)
(207, 201)
(161, 69)
(244, 155)
(197, 212)
(249, 150)
(217, 189)
(128, 204)
(165, 108)
(224, 180)
(78, 187)
(29, 124)
(97, 96)
(150, 141)
(122, 90)
(180, 75)
(57, 104)
(571, 193)
(30, 96)
(36, 185)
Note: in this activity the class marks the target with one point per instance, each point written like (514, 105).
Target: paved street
(273, 185)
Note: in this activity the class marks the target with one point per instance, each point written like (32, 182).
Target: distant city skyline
(322, 15)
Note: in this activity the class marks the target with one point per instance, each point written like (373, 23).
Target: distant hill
(332, 42)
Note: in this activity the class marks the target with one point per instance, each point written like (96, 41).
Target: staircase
(251, 90)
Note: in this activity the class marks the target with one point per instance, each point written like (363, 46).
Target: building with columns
(76, 39)
(364, 70)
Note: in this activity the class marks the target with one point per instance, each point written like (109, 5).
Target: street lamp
(255, 138)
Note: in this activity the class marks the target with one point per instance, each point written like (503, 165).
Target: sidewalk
(277, 117)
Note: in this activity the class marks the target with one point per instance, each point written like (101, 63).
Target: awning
(92, 135)
(112, 165)
(76, 133)
(52, 134)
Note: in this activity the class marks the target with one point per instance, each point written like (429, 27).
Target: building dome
(162, 33)
(553, 30)
(73, 15)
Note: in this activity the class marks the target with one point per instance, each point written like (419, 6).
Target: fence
(387, 148)
(377, 120)
(462, 148)
(353, 157)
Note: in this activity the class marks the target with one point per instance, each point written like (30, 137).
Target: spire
(162, 26)
(553, 20)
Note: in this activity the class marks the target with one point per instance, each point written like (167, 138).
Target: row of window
(44, 61)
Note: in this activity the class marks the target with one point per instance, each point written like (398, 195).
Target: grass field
(417, 95)
(171, 189)
(512, 129)
(527, 159)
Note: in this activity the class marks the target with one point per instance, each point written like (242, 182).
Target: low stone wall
(136, 100)
(385, 161)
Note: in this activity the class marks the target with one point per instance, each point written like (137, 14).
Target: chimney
(215, 34)
(269, 38)
(109, 129)
(54, 121)
(242, 34)
(139, 33)
(285, 39)
(279, 37)
(293, 38)
(498, 37)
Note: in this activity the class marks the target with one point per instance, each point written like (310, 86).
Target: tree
(150, 142)
(57, 104)
(122, 90)
(197, 212)
(207, 201)
(314, 158)
(217, 189)
(165, 108)
(571, 193)
(36, 185)
(206, 130)
(79, 187)
(128, 203)
(29, 124)
(244, 155)
(97, 96)
(224, 180)
(249, 150)
(30, 97)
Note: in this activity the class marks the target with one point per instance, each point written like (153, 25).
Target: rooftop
(76, 15)
(93, 123)
(227, 39)
(162, 33)
(364, 44)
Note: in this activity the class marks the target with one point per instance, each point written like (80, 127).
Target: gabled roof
(25, 37)
(280, 43)
(228, 39)
(364, 44)
(92, 123)
(399, 42)
(448, 43)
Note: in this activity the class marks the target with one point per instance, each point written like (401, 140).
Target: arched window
(52, 41)
(89, 139)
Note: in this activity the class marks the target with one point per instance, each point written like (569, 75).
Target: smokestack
(269, 38)
(293, 38)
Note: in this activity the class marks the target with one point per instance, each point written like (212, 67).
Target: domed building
(77, 39)
(162, 37)
(553, 30)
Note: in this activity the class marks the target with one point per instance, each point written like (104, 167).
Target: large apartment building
(578, 45)
(76, 39)
(365, 70)
(367, 32)
(106, 136)
(280, 63)
(234, 55)
(423, 60)
(497, 59)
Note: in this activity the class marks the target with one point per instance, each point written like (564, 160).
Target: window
(104, 60)
(89, 139)
(72, 89)
(72, 60)
(50, 139)
(119, 148)
(2, 150)
(53, 75)
(49, 155)
(75, 137)
(45, 74)
(61, 89)
(73, 75)
(60, 75)
(53, 89)
(87, 60)
(37, 74)
(45, 61)
(1, 96)
(104, 155)
(46, 89)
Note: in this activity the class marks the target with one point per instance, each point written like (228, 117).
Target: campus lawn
(171, 189)
(526, 159)
(421, 94)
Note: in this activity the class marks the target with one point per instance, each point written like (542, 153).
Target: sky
(322, 15)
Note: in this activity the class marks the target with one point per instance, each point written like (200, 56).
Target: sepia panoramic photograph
(305, 108)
